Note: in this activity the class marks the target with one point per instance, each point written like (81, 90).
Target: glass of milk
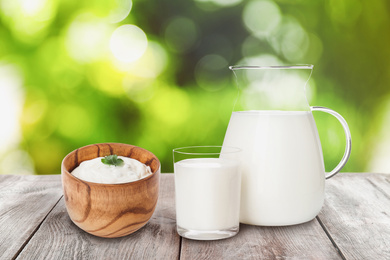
(207, 185)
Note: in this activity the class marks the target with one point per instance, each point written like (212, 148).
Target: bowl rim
(64, 170)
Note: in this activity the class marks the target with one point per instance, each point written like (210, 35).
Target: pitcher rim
(232, 149)
(303, 66)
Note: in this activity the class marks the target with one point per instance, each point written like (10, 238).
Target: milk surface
(282, 166)
(207, 194)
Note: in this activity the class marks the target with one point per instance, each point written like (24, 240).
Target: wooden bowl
(110, 210)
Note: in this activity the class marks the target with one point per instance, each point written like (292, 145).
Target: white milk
(283, 172)
(207, 194)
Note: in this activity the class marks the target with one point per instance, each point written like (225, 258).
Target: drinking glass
(207, 186)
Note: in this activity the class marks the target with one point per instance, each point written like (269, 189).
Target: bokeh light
(33, 7)
(87, 38)
(221, 3)
(105, 77)
(152, 63)
(139, 89)
(28, 19)
(17, 161)
(181, 34)
(11, 104)
(128, 43)
(211, 72)
(262, 17)
(381, 147)
(293, 40)
(262, 59)
(34, 111)
(156, 74)
(139, 80)
(122, 10)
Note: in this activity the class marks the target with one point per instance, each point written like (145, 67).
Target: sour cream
(96, 171)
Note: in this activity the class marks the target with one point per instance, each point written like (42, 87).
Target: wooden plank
(59, 238)
(357, 214)
(304, 241)
(24, 203)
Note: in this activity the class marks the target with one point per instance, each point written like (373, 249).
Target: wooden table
(353, 224)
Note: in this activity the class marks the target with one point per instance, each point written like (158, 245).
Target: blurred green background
(155, 73)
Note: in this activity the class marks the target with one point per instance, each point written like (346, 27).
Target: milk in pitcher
(282, 166)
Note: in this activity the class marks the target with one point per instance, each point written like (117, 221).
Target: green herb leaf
(112, 160)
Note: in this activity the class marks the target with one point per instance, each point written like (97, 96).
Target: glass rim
(235, 150)
(300, 66)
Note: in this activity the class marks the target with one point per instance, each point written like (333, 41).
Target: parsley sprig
(112, 160)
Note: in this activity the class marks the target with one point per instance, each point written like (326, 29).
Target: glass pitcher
(283, 173)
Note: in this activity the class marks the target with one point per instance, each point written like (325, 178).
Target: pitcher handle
(348, 138)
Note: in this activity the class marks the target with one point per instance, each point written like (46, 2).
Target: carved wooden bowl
(110, 210)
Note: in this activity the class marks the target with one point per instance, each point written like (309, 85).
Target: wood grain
(24, 203)
(59, 238)
(355, 217)
(304, 241)
(357, 214)
(110, 210)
